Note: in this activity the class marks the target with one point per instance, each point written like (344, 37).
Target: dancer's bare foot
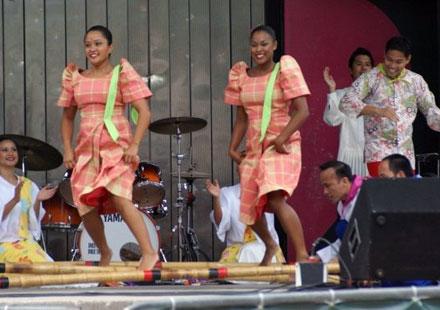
(271, 250)
(106, 257)
(148, 261)
(302, 257)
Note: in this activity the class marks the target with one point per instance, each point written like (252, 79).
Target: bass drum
(119, 238)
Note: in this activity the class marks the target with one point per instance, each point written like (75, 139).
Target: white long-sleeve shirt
(9, 226)
(230, 227)
(351, 136)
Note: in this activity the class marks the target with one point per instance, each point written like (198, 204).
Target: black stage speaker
(394, 231)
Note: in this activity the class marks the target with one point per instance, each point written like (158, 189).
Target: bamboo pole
(268, 278)
(62, 269)
(332, 268)
(284, 278)
(161, 265)
(38, 268)
(279, 279)
(147, 275)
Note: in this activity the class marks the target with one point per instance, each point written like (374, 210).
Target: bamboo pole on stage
(285, 279)
(268, 278)
(43, 268)
(147, 275)
(332, 268)
(27, 271)
(72, 267)
(161, 265)
(38, 268)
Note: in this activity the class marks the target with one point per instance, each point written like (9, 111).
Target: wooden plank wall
(186, 47)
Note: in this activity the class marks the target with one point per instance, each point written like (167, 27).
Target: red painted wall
(320, 33)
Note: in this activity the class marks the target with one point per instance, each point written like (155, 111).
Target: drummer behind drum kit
(148, 196)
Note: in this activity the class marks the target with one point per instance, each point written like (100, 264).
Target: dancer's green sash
(110, 104)
(267, 108)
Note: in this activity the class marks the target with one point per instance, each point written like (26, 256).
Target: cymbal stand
(179, 200)
(23, 165)
(193, 253)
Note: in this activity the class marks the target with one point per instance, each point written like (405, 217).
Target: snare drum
(148, 188)
(59, 214)
(119, 237)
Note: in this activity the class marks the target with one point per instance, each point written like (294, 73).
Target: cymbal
(192, 175)
(169, 126)
(40, 156)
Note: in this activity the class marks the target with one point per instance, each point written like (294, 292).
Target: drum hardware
(194, 251)
(186, 240)
(75, 249)
(191, 174)
(179, 200)
(158, 211)
(35, 154)
(174, 125)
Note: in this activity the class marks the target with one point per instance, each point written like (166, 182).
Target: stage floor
(88, 298)
(219, 296)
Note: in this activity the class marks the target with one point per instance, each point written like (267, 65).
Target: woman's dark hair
(400, 44)
(266, 29)
(342, 170)
(7, 138)
(357, 52)
(104, 31)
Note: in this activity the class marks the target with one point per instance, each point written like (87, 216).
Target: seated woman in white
(242, 244)
(20, 210)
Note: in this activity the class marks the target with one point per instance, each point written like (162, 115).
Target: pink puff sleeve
(291, 78)
(66, 98)
(233, 89)
(131, 84)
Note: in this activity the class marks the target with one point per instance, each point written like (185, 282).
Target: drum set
(148, 196)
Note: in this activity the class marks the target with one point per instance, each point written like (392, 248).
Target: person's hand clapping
(214, 189)
(17, 195)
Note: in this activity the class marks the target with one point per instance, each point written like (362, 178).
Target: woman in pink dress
(103, 169)
(270, 171)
